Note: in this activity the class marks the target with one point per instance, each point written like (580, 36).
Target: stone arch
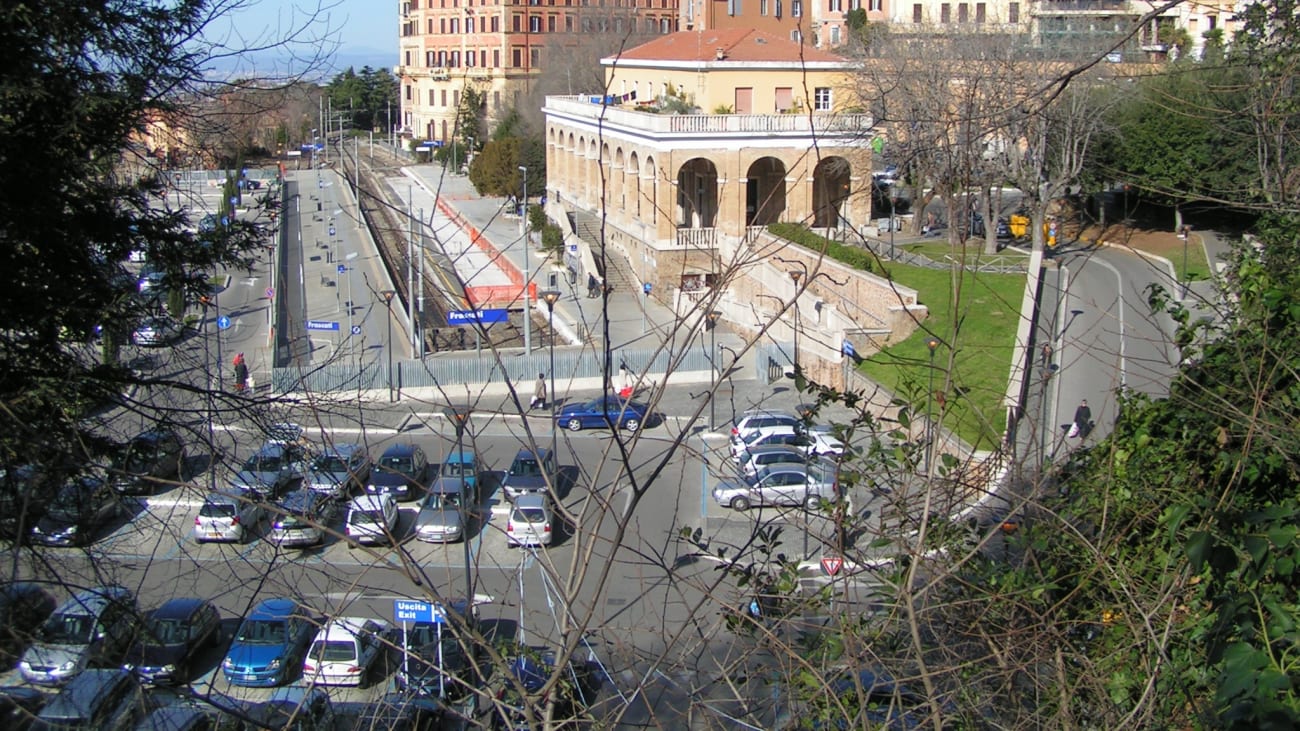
(697, 194)
(618, 174)
(633, 176)
(764, 191)
(831, 188)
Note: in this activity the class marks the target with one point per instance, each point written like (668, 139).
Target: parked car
(79, 510)
(270, 644)
(530, 471)
(148, 462)
(372, 519)
(150, 283)
(172, 635)
(339, 470)
(230, 517)
(601, 413)
(531, 521)
(19, 705)
(183, 717)
(24, 607)
(753, 460)
(156, 330)
(271, 470)
(345, 651)
(402, 471)
(93, 627)
(444, 513)
(436, 662)
(817, 441)
(25, 494)
(755, 419)
(464, 464)
(405, 712)
(102, 699)
(295, 709)
(301, 518)
(532, 668)
(781, 485)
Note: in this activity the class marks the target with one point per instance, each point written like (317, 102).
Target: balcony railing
(845, 125)
(1080, 7)
(697, 238)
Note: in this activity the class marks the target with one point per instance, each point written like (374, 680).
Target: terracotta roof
(738, 45)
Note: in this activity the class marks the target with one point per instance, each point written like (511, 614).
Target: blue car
(402, 471)
(269, 648)
(462, 464)
(601, 412)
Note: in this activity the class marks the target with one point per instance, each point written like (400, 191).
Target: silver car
(301, 519)
(339, 470)
(228, 517)
(532, 522)
(94, 627)
(442, 514)
(753, 460)
(781, 485)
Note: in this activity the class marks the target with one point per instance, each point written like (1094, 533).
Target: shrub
(801, 235)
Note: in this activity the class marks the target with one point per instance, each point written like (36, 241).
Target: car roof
(534, 454)
(79, 695)
(223, 498)
(767, 412)
(94, 600)
(301, 499)
(274, 608)
(172, 717)
(342, 450)
(776, 449)
(447, 485)
(271, 448)
(342, 628)
(153, 435)
(532, 500)
(370, 502)
(405, 449)
(465, 457)
(178, 608)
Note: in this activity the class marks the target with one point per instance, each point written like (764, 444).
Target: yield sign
(831, 565)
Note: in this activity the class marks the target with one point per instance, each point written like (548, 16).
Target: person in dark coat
(1082, 420)
(592, 290)
(241, 373)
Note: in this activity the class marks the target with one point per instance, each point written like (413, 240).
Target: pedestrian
(1082, 420)
(241, 373)
(591, 286)
(539, 393)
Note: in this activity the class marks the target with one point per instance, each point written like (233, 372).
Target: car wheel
(740, 503)
(632, 424)
(575, 424)
(812, 502)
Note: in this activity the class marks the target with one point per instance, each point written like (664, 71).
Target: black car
(19, 706)
(25, 493)
(402, 471)
(172, 635)
(80, 509)
(24, 607)
(149, 462)
(419, 672)
(403, 712)
(309, 708)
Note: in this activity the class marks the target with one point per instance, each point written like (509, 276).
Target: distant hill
(273, 64)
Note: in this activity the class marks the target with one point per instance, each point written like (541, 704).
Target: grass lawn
(939, 249)
(979, 326)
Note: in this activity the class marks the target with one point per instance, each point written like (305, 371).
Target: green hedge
(800, 234)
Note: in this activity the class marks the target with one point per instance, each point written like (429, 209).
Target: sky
(364, 31)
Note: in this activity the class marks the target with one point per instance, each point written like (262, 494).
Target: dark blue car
(402, 471)
(270, 644)
(602, 412)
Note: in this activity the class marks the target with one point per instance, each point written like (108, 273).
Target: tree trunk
(989, 212)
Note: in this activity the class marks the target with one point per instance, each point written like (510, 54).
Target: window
(442, 26)
(444, 97)
(429, 23)
(778, 8)
(762, 7)
(455, 97)
(469, 25)
(835, 35)
(731, 7)
(431, 93)
(796, 8)
(945, 13)
(981, 12)
(455, 26)
(516, 58)
(469, 58)
(568, 24)
(535, 24)
(586, 24)
(496, 24)
(408, 59)
(916, 14)
(496, 58)
(408, 93)
(875, 5)
(429, 58)
(535, 57)
(1013, 12)
(796, 36)
(836, 6)
(550, 24)
(1212, 21)
(963, 13)
(822, 99)
(516, 22)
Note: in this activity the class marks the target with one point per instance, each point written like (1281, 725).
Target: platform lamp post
(459, 418)
(523, 225)
(795, 275)
(713, 354)
(933, 345)
(550, 297)
(388, 295)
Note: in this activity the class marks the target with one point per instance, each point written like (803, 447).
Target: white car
(156, 330)
(344, 651)
(372, 519)
(531, 523)
(228, 517)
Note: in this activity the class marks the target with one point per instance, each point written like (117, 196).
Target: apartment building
(499, 48)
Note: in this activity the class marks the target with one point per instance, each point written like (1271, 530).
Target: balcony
(664, 126)
(1081, 7)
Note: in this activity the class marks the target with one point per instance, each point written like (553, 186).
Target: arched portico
(831, 189)
(764, 191)
(697, 194)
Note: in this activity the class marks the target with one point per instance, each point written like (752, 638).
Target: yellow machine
(1018, 225)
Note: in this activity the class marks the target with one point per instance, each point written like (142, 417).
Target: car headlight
(168, 668)
(128, 666)
(228, 664)
(275, 664)
(69, 665)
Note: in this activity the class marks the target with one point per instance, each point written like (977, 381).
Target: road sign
(831, 565)
(483, 317)
(322, 325)
(331, 230)
(408, 610)
(356, 329)
(343, 268)
(270, 293)
(223, 322)
(646, 288)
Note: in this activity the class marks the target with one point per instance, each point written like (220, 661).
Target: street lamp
(388, 295)
(713, 354)
(523, 225)
(795, 275)
(933, 345)
(550, 297)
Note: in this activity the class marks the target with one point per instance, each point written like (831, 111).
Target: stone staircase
(618, 272)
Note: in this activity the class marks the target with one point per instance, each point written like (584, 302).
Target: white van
(372, 519)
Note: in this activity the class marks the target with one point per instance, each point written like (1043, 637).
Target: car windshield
(525, 467)
(263, 632)
(529, 515)
(217, 510)
(456, 469)
(367, 516)
(333, 651)
(330, 463)
(263, 463)
(139, 457)
(397, 464)
(443, 501)
(292, 522)
(68, 629)
(67, 505)
(165, 632)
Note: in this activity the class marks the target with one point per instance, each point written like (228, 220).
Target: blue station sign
(482, 317)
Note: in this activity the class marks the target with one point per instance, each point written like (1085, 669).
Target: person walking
(241, 373)
(591, 286)
(1082, 420)
(539, 393)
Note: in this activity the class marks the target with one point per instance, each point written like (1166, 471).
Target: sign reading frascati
(831, 565)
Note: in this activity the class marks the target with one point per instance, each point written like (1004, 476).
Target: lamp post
(550, 297)
(523, 225)
(713, 354)
(795, 275)
(388, 295)
(459, 416)
(891, 225)
(933, 345)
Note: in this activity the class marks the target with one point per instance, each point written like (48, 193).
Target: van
(94, 627)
